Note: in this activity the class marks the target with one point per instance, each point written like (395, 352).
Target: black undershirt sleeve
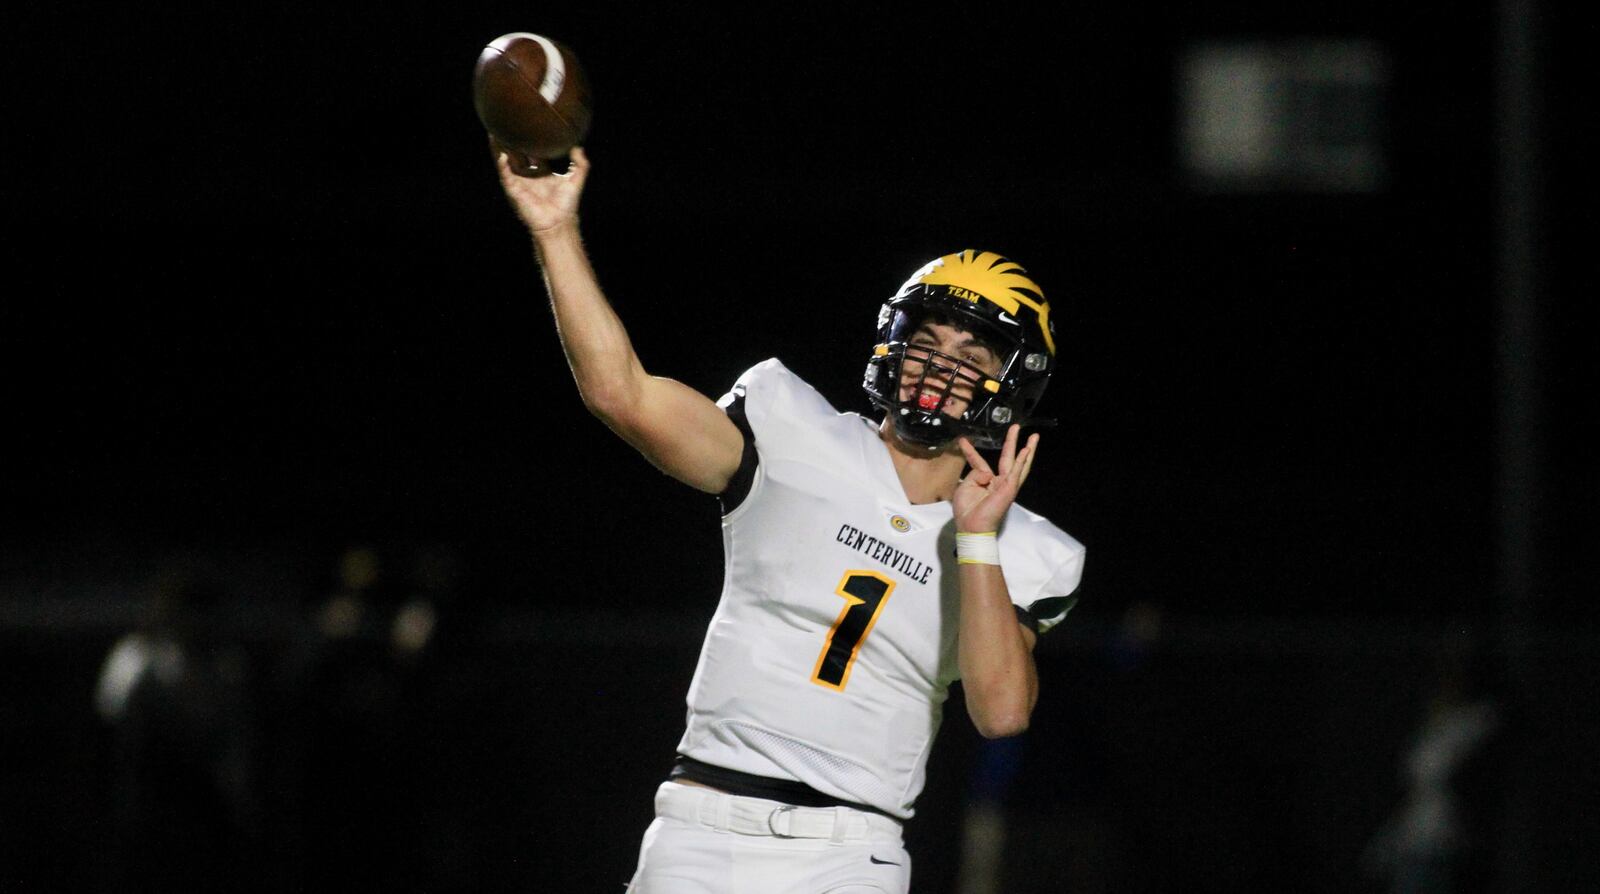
(1026, 619)
(739, 485)
(1045, 608)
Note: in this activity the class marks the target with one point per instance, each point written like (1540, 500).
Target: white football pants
(707, 842)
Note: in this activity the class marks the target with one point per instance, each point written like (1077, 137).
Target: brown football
(533, 98)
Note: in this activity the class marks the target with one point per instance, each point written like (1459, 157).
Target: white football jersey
(833, 648)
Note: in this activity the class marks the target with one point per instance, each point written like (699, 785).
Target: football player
(869, 564)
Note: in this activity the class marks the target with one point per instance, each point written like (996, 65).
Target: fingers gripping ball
(533, 98)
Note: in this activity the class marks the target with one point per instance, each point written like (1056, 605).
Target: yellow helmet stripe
(993, 277)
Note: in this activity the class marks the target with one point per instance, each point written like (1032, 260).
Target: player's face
(966, 361)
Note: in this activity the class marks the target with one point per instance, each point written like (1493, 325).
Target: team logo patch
(900, 523)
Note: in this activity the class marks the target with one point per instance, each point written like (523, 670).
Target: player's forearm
(994, 655)
(607, 371)
(681, 431)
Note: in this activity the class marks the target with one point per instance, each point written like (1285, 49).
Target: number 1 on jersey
(865, 593)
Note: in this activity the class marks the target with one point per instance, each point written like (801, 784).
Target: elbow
(1001, 707)
(611, 404)
(1002, 726)
(999, 718)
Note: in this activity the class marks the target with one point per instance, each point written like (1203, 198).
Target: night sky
(266, 292)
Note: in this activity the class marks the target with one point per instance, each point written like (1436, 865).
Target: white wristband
(977, 549)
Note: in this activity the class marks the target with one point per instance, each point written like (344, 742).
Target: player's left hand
(983, 496)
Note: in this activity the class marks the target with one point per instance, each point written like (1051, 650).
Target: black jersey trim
(1044, 609)
(1026, 619)
(749, 785)
(744, 478)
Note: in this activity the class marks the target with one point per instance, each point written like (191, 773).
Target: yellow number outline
(852, 603)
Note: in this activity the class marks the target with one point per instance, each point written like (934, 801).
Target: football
(533, 98)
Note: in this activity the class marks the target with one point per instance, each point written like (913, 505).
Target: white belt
(758, 816)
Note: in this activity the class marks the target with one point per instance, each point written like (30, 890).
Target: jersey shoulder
(782, 409)
(1052, 563)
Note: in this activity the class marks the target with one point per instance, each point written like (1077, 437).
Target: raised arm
(681, 431)
(993, 650)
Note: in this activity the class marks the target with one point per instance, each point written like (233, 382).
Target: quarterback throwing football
(870, 564)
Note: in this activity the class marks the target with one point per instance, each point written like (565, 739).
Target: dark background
(268, 302)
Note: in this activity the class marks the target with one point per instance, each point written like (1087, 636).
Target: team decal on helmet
(979, 276)
(992, 297)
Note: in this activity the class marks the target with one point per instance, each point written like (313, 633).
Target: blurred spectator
(1440, 838)
(355, 724)
(175, 692)
(1060, 836)
(983, 833)
(414, 632)
(436, 766)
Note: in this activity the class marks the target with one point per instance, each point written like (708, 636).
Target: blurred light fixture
(1283, 115)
